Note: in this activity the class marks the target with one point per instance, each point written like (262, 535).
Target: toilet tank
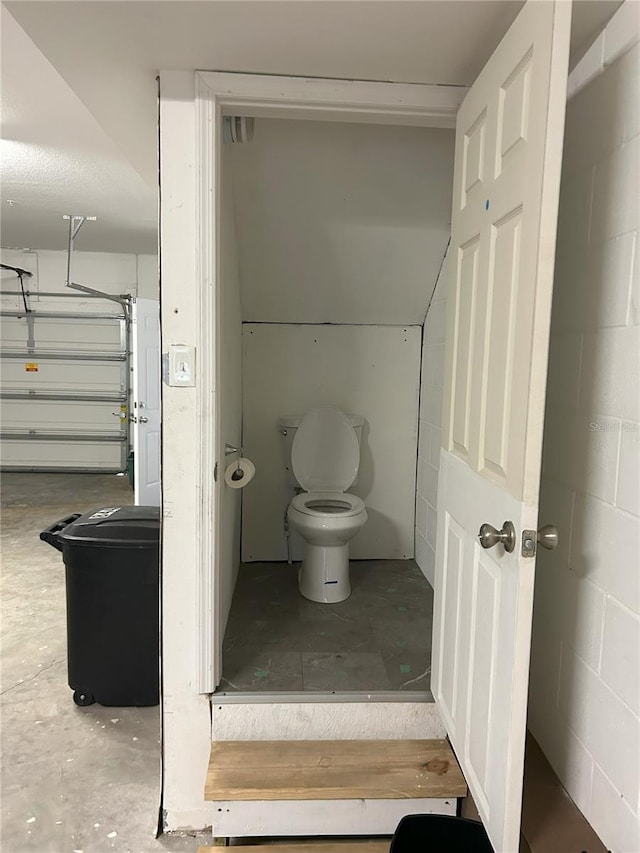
(287, 426)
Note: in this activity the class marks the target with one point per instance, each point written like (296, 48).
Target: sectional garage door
(65, 384)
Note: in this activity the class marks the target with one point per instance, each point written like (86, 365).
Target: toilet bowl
(325, 458)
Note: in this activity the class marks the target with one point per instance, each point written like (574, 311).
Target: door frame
(262, 96)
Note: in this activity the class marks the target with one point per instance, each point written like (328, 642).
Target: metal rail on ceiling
(75, 224)
(52, 293)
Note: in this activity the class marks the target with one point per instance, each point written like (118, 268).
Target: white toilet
(324, 451)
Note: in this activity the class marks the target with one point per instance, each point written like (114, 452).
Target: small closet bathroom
(306, 261)
(333, 240)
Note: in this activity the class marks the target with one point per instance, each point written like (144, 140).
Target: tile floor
(379, 639)
(73, 779)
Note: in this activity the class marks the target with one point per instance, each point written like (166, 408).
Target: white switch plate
(182, 365)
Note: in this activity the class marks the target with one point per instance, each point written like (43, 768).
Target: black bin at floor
(112, 566)
(434, 833)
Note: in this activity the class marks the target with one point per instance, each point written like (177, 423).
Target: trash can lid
(115, 526)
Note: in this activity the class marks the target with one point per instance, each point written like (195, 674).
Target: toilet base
(324, 573)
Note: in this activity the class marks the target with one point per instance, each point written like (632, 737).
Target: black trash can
(435, 833)
(112, 567)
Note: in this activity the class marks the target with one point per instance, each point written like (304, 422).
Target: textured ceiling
(75, 144)
(110, 52)
(56, 159)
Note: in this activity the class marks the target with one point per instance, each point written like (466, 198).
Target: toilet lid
(325, 454)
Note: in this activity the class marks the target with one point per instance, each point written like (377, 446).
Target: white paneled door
(506, 185)
(146, 401)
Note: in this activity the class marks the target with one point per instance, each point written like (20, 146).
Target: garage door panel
(67, 335)
(61, 376)
(62, 454)
(51, 372)
(50, 415)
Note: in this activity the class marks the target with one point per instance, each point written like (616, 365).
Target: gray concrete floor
(74, 780)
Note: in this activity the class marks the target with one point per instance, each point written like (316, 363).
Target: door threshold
(275, 698)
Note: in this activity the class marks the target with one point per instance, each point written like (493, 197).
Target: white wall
(114, 273)
(230, 395)
(148, 283)
(432, 378)
(585, 696)
(341, 223)
(371, 371)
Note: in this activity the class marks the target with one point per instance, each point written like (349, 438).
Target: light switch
(182, 365)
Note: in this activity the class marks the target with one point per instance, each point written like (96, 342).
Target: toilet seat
(328, 504)
(325, 456)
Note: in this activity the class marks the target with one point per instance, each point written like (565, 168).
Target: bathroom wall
(429, 438)
(229, 393)
(367, 370)
(584, 699)
(341, 223)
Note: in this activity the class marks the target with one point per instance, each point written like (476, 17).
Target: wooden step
(333, 770)
(310, 847)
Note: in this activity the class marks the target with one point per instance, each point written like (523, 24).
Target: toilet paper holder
(239, 472)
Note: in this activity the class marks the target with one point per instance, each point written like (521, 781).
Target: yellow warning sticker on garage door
(32, 367)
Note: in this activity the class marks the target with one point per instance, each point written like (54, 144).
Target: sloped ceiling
(340, 223)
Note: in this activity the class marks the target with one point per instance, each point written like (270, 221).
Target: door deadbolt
(489, 536)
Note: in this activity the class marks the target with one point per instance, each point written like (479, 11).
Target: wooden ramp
(333, 770)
